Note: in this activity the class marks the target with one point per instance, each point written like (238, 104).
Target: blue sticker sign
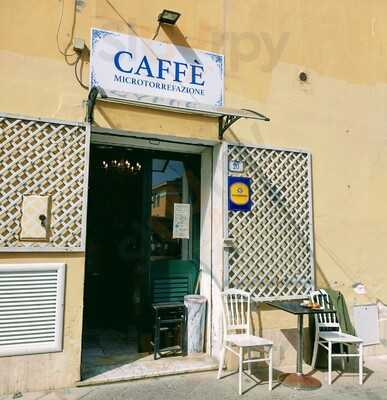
(239, 193)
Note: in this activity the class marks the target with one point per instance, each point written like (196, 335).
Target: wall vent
(31, 308)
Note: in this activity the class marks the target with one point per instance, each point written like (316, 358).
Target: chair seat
(339, 337)
(243, 340)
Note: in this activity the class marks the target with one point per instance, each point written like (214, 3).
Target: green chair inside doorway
(171, 280)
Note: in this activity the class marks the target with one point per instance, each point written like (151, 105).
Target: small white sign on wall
(236, 166)
(131, 64)
(181, 220)
(366, 321)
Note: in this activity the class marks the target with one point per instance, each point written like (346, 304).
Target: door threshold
(147, 367)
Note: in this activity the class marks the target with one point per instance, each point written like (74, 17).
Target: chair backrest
(236, 311)
(325, 322)
(171, 289)
(171, 280)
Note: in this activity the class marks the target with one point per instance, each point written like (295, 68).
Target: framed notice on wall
(181, 220)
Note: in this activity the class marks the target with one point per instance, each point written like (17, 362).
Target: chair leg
(221, 362)
(271, 368)
(361, 363)
(315, 349)
(329, 363)
(342, 358)
(156, 350)
(249, 364)
(240, 369)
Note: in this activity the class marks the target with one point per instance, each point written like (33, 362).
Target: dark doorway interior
(115, 259)
(129, 239)
(115, 264)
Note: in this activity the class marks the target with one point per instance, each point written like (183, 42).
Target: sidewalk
(205, 386)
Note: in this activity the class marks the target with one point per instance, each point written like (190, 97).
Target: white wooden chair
(236, 333)
(328, 333)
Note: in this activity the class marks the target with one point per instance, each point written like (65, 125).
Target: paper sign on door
(181, 219)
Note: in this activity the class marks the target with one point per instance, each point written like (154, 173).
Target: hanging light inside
(122, 165)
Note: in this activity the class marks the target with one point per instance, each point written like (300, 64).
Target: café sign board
(131, 64)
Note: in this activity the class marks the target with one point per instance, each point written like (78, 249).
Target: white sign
(131, 64)
(181, 219)
(236, 166)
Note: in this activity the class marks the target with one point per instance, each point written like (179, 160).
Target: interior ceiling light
(168, 17)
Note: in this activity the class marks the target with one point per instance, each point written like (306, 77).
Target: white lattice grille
(273, 253)
(43, 158)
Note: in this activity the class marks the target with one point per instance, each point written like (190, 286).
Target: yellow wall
(339, 114)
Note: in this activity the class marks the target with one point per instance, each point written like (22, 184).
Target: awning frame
(226, 116)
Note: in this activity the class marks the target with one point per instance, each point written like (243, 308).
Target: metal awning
(225, 116)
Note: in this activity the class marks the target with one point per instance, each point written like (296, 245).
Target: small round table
(299, 380)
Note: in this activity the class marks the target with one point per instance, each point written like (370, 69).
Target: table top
(295, 308)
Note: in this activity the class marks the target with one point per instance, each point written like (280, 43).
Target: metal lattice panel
(272, 257)
(43, 158)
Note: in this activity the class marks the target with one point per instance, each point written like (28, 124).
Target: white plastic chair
(328, 333)
(236, 330)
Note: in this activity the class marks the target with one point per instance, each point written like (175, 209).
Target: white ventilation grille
(272, 257)
(31, 308)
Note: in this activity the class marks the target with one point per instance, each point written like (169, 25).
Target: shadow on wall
(320, 278)
(175, 35)
(292, 337)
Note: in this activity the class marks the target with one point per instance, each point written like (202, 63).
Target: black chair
(170, 318)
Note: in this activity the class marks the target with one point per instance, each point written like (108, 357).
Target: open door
(174, 255)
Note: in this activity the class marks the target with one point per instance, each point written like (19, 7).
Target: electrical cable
(79, 77)
(157, 31)
(63, 52)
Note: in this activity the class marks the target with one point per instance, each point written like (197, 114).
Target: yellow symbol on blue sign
(239, 193)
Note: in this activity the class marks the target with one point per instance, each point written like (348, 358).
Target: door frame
(211, 210)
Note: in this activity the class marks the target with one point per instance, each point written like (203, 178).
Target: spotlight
(168, 17)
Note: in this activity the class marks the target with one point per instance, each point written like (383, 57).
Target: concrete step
(147, 367)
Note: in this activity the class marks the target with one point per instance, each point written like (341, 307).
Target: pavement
(204, 385)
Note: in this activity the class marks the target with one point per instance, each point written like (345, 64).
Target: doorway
(132, 241)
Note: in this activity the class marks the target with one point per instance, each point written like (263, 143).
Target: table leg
(299, 380)
(300, 347)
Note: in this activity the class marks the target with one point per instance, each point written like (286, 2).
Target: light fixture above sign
(168, 17)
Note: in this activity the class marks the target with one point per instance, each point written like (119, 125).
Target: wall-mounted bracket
(225, 116)
(225, 121)
(91, 100)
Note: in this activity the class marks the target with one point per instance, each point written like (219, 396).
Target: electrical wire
(121, 17)
(157, 31)
(79, 77)
(63, 52)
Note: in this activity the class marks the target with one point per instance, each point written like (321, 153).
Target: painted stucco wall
(338, 114)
